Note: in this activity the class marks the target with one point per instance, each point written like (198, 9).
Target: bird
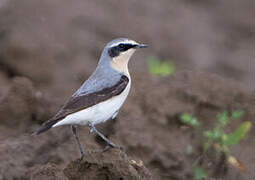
(101, 96)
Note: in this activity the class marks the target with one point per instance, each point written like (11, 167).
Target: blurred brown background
(48, 48)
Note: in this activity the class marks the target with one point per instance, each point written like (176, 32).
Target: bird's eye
(121, 45)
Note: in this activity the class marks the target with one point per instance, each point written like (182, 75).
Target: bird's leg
(109, 143)
(74, 130)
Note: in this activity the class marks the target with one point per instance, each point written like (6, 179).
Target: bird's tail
(45, 127)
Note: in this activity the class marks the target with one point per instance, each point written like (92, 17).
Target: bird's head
(119, 52)
(122, 47)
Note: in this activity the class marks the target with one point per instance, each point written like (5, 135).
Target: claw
(106, 148)
(82, 157)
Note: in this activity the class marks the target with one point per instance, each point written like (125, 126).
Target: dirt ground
(48, 48)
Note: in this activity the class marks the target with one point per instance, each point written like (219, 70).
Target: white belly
(97, 113)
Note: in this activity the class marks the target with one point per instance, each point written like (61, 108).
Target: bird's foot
(109, 146)
(82, 157)
(106, 148)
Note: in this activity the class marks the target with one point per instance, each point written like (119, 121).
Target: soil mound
(111, 165)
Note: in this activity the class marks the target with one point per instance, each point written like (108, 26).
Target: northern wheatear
(101, 96)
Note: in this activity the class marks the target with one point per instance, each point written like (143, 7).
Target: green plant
(189, 120)
(200, 173)
(218, 139)
(156, 67)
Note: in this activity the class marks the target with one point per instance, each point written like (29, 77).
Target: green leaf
(189, 120)
(217, 133)
(207, 145)
(208, 134)
(223, 118)
(160, 68)
(237, 114)
(200, 173)
(238, 135)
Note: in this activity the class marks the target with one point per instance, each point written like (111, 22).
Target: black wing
(77, 103)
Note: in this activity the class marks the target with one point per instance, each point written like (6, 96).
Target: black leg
(74, 130)
(110, 144)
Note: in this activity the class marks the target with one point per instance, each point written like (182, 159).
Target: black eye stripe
(125, 47)
(115, 51)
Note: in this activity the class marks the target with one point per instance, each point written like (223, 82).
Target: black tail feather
(45, 127)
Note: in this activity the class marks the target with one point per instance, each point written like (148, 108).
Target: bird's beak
(141, 46)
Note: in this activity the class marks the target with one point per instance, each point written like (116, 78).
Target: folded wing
(80, 102)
